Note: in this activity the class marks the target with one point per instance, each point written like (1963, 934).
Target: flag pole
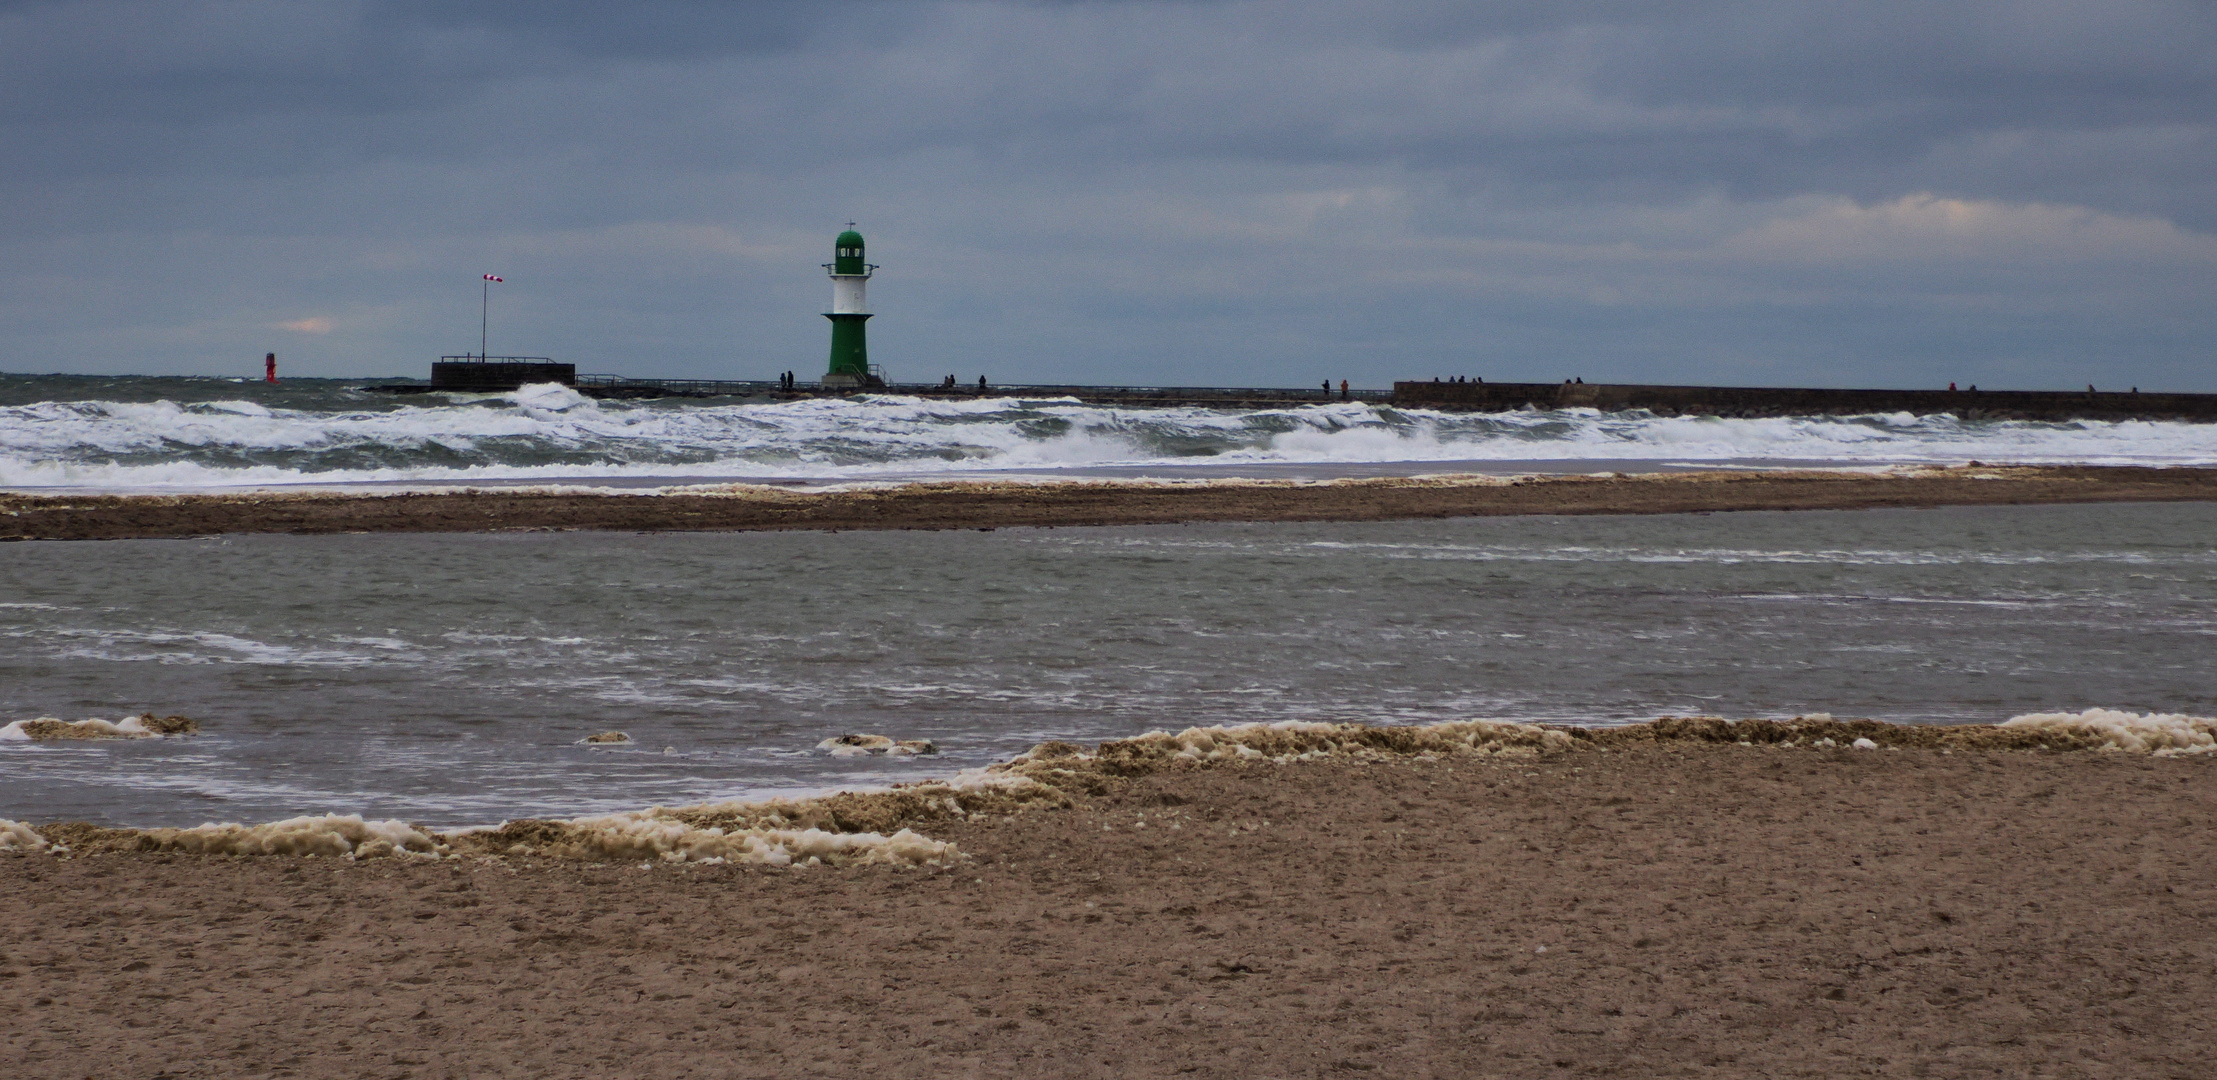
(484, 313)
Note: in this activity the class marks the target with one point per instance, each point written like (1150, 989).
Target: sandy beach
(1648, 908)
(987, 504)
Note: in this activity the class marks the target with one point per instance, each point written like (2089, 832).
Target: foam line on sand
(879, 827)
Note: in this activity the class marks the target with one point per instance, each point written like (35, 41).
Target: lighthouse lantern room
(850, 354)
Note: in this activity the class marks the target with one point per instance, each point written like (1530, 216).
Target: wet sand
(988, 504)
(1704, 909)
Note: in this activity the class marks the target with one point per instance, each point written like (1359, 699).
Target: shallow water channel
(448, 678)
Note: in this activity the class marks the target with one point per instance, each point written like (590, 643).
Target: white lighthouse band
(847, 294)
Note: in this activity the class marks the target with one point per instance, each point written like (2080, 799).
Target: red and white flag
(490, 277)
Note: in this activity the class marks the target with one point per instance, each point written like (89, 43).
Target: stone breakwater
(879, 828)
(1744, 402)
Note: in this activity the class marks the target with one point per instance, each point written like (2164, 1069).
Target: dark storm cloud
(1758, 99)
(669, 30)
(1778, 188)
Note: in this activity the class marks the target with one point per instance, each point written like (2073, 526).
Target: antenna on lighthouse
(850, 353)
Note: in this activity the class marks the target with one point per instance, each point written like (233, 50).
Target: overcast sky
(1902, 193)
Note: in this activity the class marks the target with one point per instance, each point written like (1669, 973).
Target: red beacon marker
(269, 367)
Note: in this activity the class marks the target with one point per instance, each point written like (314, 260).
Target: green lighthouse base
(850, 354)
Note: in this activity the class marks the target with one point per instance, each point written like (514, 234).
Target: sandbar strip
(1000, 504)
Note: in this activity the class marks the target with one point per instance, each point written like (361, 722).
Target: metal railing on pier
(1240, 393)
(682, 387)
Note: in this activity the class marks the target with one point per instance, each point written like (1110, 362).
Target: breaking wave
(340, 435)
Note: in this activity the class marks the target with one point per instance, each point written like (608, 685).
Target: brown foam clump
(2097, 729)
(2161, 734)
(849, 828)
(50, 729)
(876, 745)
(340, 835)
(16, 836)
(606, 738)
(1293, 740)
(651, 835)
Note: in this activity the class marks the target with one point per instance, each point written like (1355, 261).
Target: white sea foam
(543, 399)
(202, 647)
(2161, 734)
(551, 433)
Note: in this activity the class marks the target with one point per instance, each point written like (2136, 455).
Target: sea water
(449, 679)
(87, 433)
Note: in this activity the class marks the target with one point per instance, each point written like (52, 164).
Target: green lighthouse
(850, 355)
